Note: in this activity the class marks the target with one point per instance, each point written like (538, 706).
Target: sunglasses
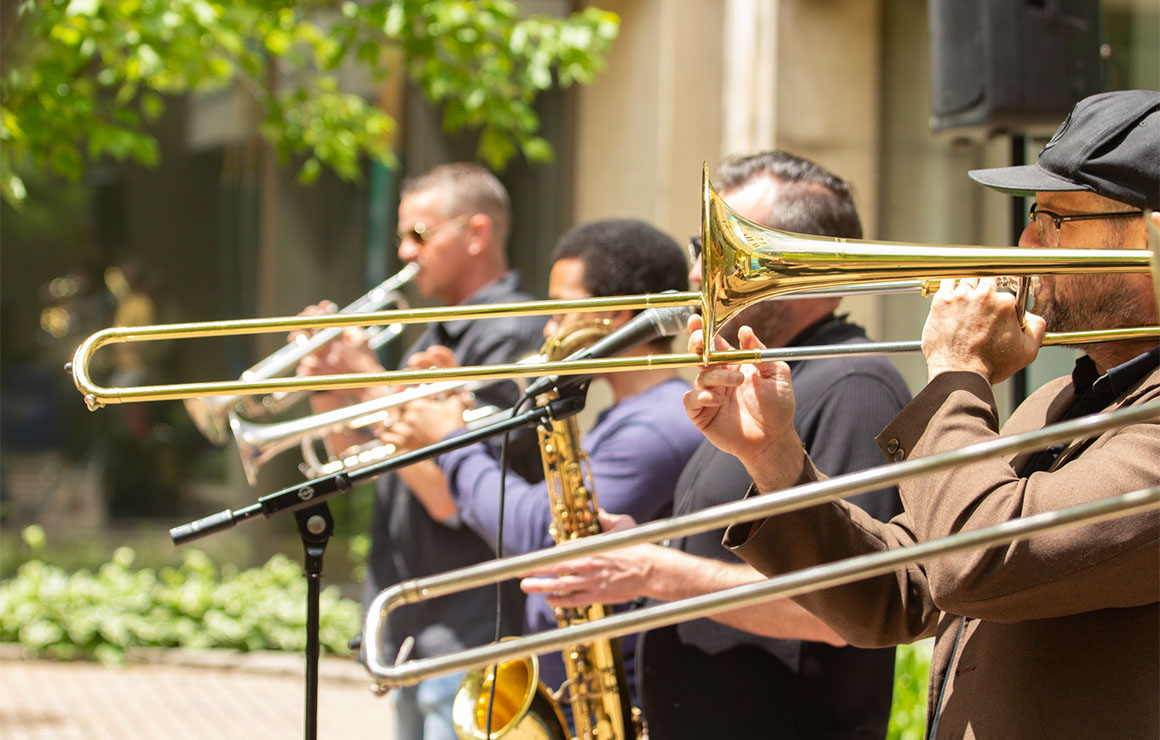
(421, 233)
(695, 249)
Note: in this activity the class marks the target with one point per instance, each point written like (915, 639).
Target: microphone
(663, 321)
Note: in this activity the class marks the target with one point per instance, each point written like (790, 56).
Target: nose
(408, 250)
(695, 273)
(1030, 236)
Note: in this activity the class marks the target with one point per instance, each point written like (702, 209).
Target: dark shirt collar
(494, 292)
(1094, 393)
(1116, 381)
(802, 338)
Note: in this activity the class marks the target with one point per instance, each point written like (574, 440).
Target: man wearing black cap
(1056, 636)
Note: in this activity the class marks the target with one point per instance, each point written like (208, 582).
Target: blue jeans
(423, 712)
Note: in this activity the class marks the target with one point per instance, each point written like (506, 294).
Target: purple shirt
(636, 451)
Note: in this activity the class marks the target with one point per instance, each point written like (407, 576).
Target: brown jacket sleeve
(882, 611)
(1097, 566)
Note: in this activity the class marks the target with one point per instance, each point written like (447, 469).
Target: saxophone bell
(522, 706)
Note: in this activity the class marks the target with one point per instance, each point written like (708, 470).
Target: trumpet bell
(521, 709)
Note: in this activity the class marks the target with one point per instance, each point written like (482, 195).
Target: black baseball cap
(1109, 144)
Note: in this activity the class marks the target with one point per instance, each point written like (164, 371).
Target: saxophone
(596, 687)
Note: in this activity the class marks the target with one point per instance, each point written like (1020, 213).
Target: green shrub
(88, 615)
(908, 712)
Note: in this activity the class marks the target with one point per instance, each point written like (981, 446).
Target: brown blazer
(1060, 633)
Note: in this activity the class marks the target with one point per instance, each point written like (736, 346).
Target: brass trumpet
(744, 263)
(211, 415)
(404, 672)
(258, 443)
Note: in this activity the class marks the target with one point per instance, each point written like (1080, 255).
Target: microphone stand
(315, 524)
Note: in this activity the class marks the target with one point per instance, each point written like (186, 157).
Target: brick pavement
(252, 697)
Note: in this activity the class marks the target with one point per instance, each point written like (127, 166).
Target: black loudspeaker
(1011, 66)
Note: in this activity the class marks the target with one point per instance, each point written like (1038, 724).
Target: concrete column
(646, 124)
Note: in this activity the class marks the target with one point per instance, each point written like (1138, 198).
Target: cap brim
(1023, 180)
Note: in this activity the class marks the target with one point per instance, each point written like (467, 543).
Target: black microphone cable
(503, 456)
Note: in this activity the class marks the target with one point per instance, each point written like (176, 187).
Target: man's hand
(973, 326)
(424, 422)
(435, 356)
(747, 411)
(666, 574)
(613, 577)
(348, 353)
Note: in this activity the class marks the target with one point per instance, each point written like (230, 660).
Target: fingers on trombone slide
(1003, 284)
(434, 357)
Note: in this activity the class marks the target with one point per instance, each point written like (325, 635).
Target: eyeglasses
(694, 247)
(1050, 223)
(421, 233)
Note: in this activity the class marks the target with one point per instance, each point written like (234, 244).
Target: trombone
(211, 415)
(404, 672)
(744, 263)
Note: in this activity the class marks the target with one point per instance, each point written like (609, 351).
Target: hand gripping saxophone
(596, 688)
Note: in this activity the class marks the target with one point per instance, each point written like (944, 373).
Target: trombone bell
(745, 262)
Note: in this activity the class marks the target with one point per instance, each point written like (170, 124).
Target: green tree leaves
(83, 79)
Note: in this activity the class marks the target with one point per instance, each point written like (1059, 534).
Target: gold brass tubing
(96, 396)
(496, 571)
(743, 263)
(235, 327)
(102, 395)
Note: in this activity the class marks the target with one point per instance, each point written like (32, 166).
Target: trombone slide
(744, 263)
(97, 396)
(404, 673)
